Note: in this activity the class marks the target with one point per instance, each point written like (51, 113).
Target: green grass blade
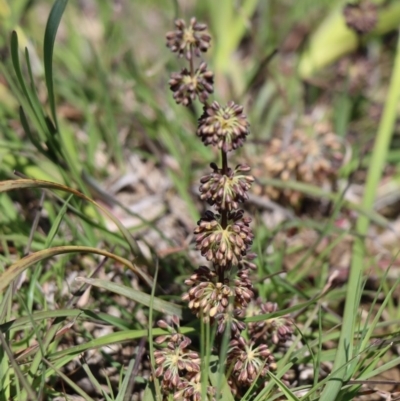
(10, 185)
(70, 382)
(25, 125)
(316, 192)
(137, 296)
(18, 267)
(124, 386)
(49, 38)
(114, 338)
(21, 378)
(29, 97)
(218, 379)
(97, 317)
(384, 135)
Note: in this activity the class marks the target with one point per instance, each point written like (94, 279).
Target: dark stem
(224, 213)
(191, 61)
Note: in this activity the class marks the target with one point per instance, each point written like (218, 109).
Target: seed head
(187, 39)
(249, 360)
(310, 157)
(226, 191)
(247, 261)
(186, 87)
(225, 127)
(243, 289)
(174, 361)
(224, 246)
(207, 297)
(230, 318)
(190, 390)
(276, 330)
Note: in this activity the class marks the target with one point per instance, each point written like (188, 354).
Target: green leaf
(290, 396)
(49, 37)
(149, 394)
(30, 97)
(124, 386)
(216, 378)
(25, 125)
(18, 267)
(98, 317)
(137, 296)
(16, 63)
(113, 338)
(316, 192)
(345, 351)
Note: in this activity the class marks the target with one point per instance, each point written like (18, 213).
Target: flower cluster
(220, 294)
(224, 244)
(225, 127)
(361, 17)
(186, 86)
(310, 153)
(226, 190)
(177, 365)
(186, 40)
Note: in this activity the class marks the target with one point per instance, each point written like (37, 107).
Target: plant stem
(224, 213)
(191, 61)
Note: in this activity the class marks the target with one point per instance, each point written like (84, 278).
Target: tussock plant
(220, 293)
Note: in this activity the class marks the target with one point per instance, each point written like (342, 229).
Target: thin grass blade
(137, 296)
(49, 38)
(18, 267)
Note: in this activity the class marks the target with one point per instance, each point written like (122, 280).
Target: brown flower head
(277, 330)
(230, 318)
(225, 127)
(249, 360)
(226, 191)
(361, 17)
(247, 261)
(224, 246)
(243, 289)
(174, 360)
(207, 297)
(310, 153)
(188, 39)
(190, 390)
(186, 87)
